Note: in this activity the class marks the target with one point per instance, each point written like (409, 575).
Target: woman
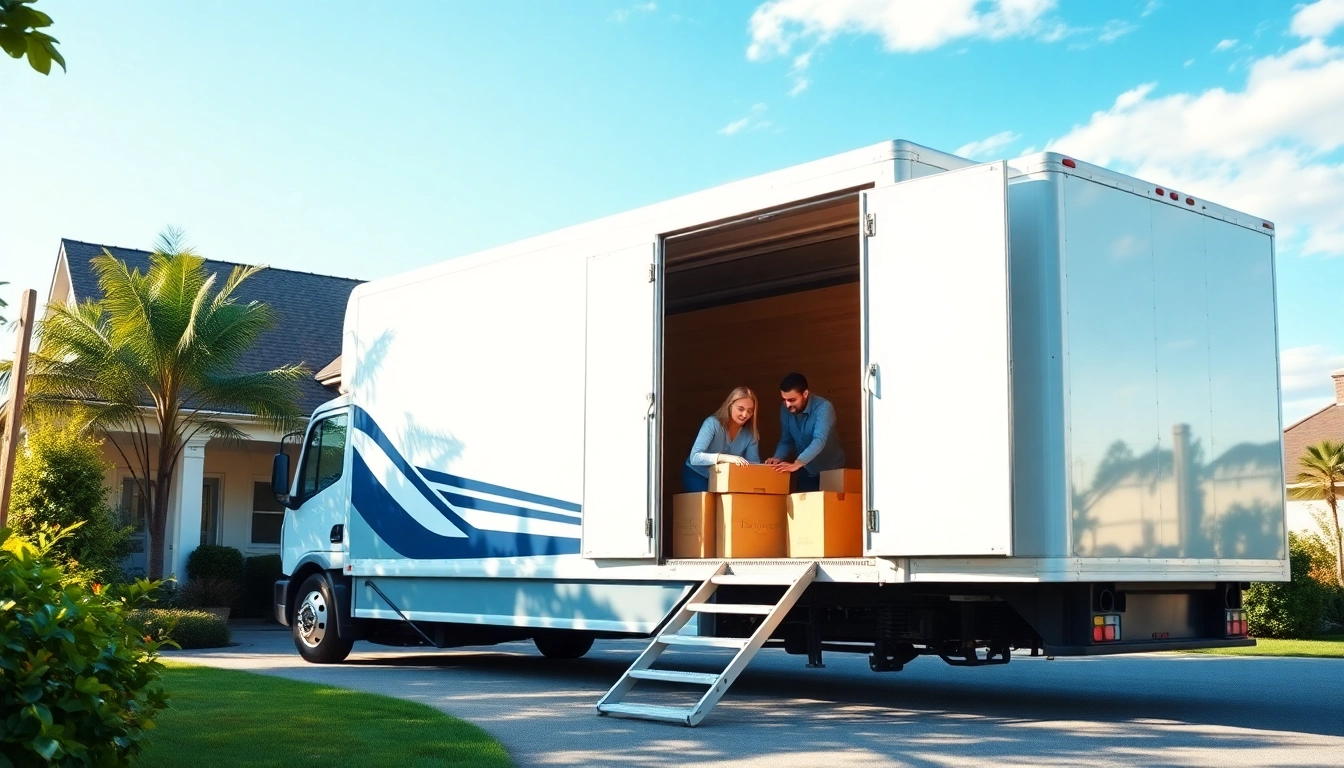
(728, 437)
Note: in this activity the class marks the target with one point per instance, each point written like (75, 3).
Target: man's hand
(792, 466)
(772, 461)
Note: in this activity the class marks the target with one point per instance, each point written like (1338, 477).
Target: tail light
(1236, 624)
(1106, 628)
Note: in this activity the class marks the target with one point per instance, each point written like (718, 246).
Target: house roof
(1325, 424)
(309, 311)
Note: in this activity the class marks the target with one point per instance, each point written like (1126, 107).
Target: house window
(324, 456)
(268, 515)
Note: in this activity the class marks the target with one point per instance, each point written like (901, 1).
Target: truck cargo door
(618, 441)
(937, 448)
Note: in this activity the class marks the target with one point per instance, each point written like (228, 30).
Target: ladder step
(704, 642)
(674, 676)
(648, 711)
(755, 579)
(729, 608)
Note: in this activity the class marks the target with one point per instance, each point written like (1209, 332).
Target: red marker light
(1189, 201)
(1161, 192)
(1174, 196)
(1069, 163)
(1267, 225)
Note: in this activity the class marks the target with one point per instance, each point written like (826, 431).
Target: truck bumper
(281, 606)
(1147, 646)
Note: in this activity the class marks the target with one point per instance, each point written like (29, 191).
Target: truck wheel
(314, 626)
(563, 645)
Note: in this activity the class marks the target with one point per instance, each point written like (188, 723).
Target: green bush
(1293, 609)
(58, 481)
(79, 683)
(1323, 571)
(186, 628)
(208, 593)
(258, 594)
(211, 561)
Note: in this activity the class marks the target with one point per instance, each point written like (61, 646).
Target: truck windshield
(324, 455)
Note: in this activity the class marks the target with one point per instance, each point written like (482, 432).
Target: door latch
(872, 520)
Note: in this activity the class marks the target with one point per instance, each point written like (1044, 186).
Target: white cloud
(902, 25)
(988, 147)
(1265, 149)
(1305, 376)
(1319, 19)
(753, 121)
(1150, 8)
(1224, 45)
(621, 14)
(1114, 30)
(799, 85)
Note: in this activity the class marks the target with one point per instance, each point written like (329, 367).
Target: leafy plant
(212, 561)
(20, 35)
(58, 481)
(183, 628)
(169, 343)
(1322, 472)
(208, 593)
(79, 683)
(1292, 609)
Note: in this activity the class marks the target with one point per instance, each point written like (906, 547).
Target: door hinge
(648, 528)
(872, 520)
(870, 225)
(653, 272)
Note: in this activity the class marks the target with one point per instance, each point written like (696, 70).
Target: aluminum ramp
(796, 581)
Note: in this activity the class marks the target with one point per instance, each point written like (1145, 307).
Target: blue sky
(365, 139)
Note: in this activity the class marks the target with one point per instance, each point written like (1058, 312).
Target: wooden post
(18, 381)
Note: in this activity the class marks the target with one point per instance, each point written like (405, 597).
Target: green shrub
(186, 628)
(1322, 570)
(79, 683)
(211, 561)
(258, 594)
(208, 593)
(1292, 609)
(58, 481)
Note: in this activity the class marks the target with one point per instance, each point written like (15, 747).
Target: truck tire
(313, 625)
(563, 645)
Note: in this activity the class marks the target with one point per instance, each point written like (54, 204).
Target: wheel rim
(310, 620)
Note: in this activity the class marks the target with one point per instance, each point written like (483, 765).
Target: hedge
(189, 629)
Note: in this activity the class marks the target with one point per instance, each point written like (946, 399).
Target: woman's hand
(728, 458)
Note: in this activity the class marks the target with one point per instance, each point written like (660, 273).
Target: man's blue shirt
(811, 433)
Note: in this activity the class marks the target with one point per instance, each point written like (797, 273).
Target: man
(808, 427)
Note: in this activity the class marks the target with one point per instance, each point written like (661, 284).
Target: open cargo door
(938, 442)
(619, 434)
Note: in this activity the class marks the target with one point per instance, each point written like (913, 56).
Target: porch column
(184, 520)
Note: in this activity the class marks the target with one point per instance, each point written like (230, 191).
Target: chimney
(1338, 376)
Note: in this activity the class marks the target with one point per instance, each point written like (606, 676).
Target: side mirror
(280, 477)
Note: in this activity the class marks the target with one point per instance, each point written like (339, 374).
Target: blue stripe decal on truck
(434, 476)
(485, 505)
(394, 525)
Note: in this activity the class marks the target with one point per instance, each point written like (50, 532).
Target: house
(1325, 424)
(221, 492)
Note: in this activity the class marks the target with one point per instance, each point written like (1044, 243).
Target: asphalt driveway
(1177, 710)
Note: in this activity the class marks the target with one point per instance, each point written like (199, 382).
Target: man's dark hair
(794, 382)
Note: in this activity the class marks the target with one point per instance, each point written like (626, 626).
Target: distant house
(1325, 424)
(221, 493)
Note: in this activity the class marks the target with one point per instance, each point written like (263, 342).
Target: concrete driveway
(1177, 710)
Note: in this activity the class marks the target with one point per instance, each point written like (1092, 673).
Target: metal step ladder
(795, 580)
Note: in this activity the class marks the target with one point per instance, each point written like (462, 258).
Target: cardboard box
(749, 525)
(752, 478)
(693, 516)
(825, 524)
(842, 481)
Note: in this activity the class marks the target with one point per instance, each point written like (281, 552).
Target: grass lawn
(219, 717)
(1331, 646)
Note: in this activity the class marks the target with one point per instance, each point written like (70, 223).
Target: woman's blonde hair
(724, 414)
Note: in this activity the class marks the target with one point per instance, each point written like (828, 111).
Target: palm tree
(156, 357)
(1322, 473)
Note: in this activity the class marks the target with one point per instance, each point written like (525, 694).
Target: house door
(133, 507)
(938, 439)
(210, 511)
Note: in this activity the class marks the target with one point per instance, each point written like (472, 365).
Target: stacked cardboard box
(749, 514)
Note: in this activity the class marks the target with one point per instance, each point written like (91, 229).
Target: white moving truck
(1061, 384)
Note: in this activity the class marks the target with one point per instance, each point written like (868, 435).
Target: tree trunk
(1339, 543)
(158, 512)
